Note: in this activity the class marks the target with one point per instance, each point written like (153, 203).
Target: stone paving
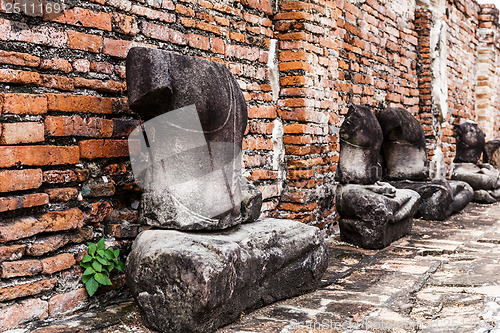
(444, 277)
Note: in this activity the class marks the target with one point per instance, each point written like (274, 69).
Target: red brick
(62, 220)
(262, 112)
(80, 103)
(183, 10)
(18, 180)
(125, 24)
(57, 263)
(28, 310)
(24, 104)
(18, 59)
(38, 155)
(199, 41)
(154, 15)
(28, 226)
(82, 174)
(100, 85)
(163, 33)
(85, 17)
(67, 303)
(26, 132)
(116, 48)
(24, 201)
(84, 42)
(261, 5)
(100, 211)
(61, 176)
(20, 268)
(102, 67)
(56, 65)
(208, 27)
(19, 77)
(26, 289)
(81, 65)
(62, 194)
(13, 252)
(103, 148)
(51, 243)
(58, 82)
(78, 126)
(218, 45)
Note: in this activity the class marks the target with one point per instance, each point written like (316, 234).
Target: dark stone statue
(195, 116)
(372, 214)
(406, 166)
(482, 177)
(491, 153)
(470, 143)
(187, 158)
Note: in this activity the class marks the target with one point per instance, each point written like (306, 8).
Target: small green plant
(98, 265)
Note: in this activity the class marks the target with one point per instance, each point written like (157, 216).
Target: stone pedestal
(373, 216)
(198, 282)
(483, 178)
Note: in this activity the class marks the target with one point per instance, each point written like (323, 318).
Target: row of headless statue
(390, 146)
(208, 257)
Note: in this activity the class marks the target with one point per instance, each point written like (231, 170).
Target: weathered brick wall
(447, 44)
(64, 173)
(377, 54)
(307, 108)
(488, 76)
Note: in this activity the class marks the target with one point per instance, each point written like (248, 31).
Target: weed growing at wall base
(98, 264)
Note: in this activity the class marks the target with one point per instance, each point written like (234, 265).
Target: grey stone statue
(187, 158)
(372, 213)
(482, 177)
(406, 166)
(195, 116)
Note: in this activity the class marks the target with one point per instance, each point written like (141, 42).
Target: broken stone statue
(187, 158)
(406, 166)
(482, 177)
(372, 213)
(491, 153)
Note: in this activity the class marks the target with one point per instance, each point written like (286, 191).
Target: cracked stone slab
(198, 282)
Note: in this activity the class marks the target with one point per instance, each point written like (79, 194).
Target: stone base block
(373, 216)
(198, 282)
(438, 198)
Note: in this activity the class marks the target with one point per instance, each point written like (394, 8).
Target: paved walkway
(444, 277)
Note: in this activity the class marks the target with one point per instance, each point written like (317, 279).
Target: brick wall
(487, 90)
(64, 173)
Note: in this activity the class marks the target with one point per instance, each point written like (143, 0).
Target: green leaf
(116, 253)
(86, 265)
(100, 244)
(86, 258)
(91, 285)
(85, 278)
(108, 254)
(100, 253)
(102, 260)
(110, 267)
(120, 265)
(89, 271)
(97, 266)
(92, 248)
(102, 279)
